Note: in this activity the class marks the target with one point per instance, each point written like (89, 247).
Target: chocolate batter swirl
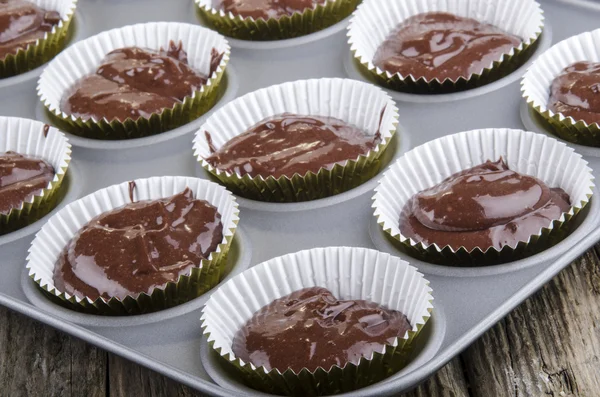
(138, 247)
(22, 23)
(290, 144)
(310, 328)
(20, 178)
(265, 9)
(484, 206)
(575, 92)
(438, 45)
(135, 82)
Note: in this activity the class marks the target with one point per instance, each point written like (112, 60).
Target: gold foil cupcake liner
(285, 27)
(537, 155)
(349, 273)
(54, 236)
(538, 80)
(360, 104)
(34, 139)
(44, 49)
(81, 59)
(373, 21)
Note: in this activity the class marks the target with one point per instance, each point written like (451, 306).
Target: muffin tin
(467, 300)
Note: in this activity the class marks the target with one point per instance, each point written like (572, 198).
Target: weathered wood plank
(128, 379)
(548, 346)
(447, 382)
(36, 360)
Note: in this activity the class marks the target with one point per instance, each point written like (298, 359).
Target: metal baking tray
(468, 301)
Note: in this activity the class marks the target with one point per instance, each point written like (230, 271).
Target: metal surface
(467, 301)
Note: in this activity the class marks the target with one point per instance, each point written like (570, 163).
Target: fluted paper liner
(83, 58)
(537, 82)
(349, 273)
(286, 27)
(35, 139)
(374, 20)
(63, 226)
(45, 48)
(354, 102)
(543, 157)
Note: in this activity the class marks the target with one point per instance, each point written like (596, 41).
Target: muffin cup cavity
(64, 225)
(373, 21)
(543, 157)
(34, 139)
(285, 27)
(43, 49)
(349, 273)
(360, 104)
(84, 57)
(537, 82)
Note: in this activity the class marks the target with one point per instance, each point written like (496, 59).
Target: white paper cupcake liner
(538, 79)
(35, 139)
(349, 273)
(49, 243)
(375, 20)
(83, 58)
(545, 158)
(354, 102)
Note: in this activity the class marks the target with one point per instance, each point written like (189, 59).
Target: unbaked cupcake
(287, 143)
(34, 158)
(272, 19)
(482, 197)
(105, 87)
(159, 242)
(351, 316)
(433, 47)
(562, 86)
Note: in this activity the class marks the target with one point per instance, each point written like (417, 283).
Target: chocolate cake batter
(135, 82)
(310, 328)
(484, 206)
(575, 92)
(20, 178)
(289, 144)
(438, 45)
(265, 9)
(138, 247)
(22, 23)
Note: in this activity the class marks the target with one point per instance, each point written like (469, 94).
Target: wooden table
(549, 346)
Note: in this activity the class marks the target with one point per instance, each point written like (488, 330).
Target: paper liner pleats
(83, 58)
(44, 49)
(64, 225)
(34, 139)
(349, 273)
(286, 27)
(374, 20)
(537, 82)
(545, 158)
(360, 104)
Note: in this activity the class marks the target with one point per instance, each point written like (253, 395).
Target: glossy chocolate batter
(135, 82)
(289, 144)
(310, 328)
(441, 46)
(138, 247)
(20, 178)
(22, 23)
(265, 9)
(575, 92)
(484, 206)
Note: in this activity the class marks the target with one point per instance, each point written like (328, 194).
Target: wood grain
(36, 360)
(549, 346)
